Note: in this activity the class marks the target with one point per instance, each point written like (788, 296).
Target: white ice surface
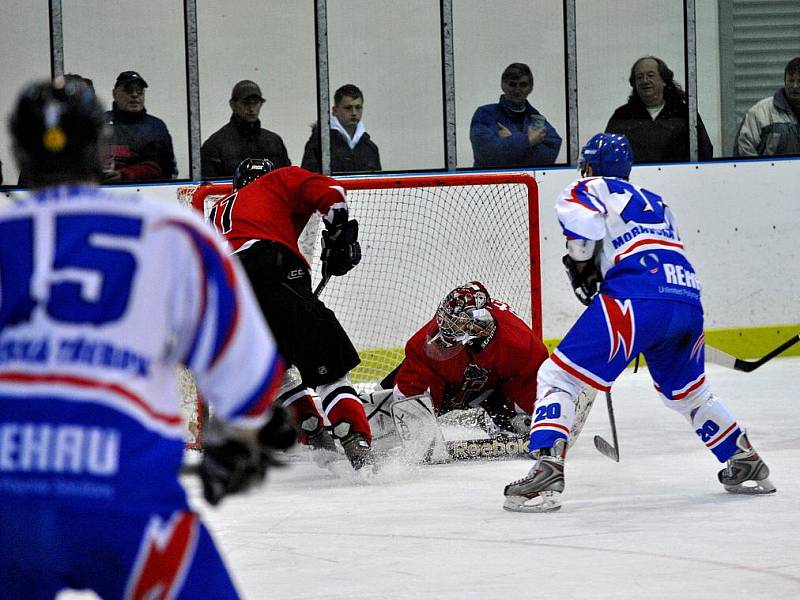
(657, 525)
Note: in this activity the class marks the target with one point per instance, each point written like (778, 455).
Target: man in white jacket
(771, 127)
(352, 150)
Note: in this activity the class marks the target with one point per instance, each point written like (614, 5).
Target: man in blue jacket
(140, 148)
(512, 133)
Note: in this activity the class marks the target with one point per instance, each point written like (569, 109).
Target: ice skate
(358, 451)
(540, 490)
(746, 473)
(322, 447)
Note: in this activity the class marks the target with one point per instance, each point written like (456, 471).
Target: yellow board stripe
(741, 342)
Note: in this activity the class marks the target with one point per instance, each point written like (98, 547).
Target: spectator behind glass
(772, 126)
(242, 137)
(512, 133)
(656, 118)
(141, 146)
(351, 147)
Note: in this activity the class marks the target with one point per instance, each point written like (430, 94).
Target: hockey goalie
(475, 353)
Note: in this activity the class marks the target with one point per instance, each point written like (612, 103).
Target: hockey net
(420, 237)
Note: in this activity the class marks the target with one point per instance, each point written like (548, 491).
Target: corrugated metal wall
(757, 39)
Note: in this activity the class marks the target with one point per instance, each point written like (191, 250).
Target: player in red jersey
(262, 220)
(475, 352)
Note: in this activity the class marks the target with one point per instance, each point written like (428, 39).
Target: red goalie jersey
(466, 375)
(276, 207)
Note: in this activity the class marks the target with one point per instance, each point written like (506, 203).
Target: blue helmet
(609, 154)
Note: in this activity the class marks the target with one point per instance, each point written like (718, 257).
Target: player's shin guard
(714, 425)
(553, 417)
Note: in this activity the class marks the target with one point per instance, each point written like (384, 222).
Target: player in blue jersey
(623, 243)
(101, 297)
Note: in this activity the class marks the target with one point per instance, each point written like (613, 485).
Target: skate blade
(544, 502)
(763, 486)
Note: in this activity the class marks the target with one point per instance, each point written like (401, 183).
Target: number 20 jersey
(641, 254)
(101, 297)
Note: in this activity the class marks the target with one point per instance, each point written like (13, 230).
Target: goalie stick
(718, 357)
(600, 443)
(502, 446)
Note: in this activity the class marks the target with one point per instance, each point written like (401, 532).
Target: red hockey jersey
(508, 363)
(276, 207)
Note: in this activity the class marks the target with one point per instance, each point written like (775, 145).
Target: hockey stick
(601, 444)
(716, 356)
(321, 285)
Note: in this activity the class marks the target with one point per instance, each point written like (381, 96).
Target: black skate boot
(358, 451)
(540, 490)
(319, 440)
(746, 473)
(316, 436)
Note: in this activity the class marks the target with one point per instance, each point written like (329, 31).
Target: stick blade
(605, 448)
(718, 357)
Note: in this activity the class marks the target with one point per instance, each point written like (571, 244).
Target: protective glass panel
(487, 38)
(103, 40)
(271, 44)
(392, 52)
(611, 39)
(24, 35)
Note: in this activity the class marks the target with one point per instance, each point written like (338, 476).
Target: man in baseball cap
(247, 90)
(242, 137)
(141, 145)
(127, 78)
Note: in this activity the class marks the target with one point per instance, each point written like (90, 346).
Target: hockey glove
(584, 283)
(231, 465)
(277, 433)
(340, 249)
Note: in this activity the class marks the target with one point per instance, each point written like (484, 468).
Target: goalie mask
(463, 317)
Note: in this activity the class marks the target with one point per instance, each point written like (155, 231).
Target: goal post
(421, 236)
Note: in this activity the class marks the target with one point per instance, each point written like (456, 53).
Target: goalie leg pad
(416, 425)
(378, 407)
(407, 422)
(583, 406)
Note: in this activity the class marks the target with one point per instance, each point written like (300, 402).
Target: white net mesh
(420, 238)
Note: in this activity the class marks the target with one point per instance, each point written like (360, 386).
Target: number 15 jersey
(101, 297)
(640, 253)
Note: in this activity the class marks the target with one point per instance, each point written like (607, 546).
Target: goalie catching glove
(586, 281)
(340, 249)
(231, 464)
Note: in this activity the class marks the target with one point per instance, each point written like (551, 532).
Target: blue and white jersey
(641, 254)
(101, 297)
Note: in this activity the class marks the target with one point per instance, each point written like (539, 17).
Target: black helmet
(57, 127)
(249, 170)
